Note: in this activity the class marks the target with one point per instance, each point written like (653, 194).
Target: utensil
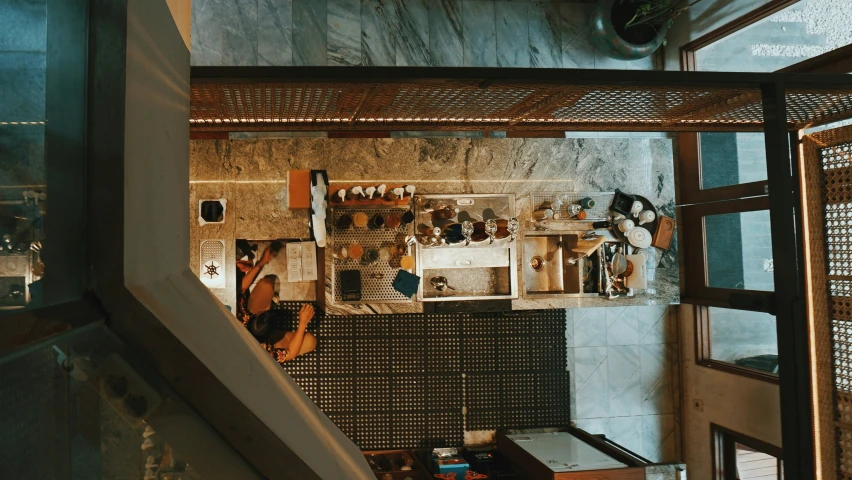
(513, 227)
(410, 189)
(370, 191)
(440, 283)
(467, 231)
(491, 229)
(381, 190)
(618, 264)
(342, 194)
(646, 216)
(626, 225)
(636, 208)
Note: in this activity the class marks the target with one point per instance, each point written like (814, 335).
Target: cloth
(406, 283)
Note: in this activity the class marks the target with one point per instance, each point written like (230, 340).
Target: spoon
(440, 283)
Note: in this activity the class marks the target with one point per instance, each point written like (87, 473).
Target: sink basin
(548, 268)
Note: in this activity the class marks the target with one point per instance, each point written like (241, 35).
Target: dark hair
(266, 322)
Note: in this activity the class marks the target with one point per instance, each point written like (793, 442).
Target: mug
(636, 208)
(647, 216)
(626, 225)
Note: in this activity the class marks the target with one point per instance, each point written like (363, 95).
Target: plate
(639, 237)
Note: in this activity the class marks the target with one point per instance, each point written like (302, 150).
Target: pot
(607, 40)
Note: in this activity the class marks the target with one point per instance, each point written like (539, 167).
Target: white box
(309, 261)
(294, 262)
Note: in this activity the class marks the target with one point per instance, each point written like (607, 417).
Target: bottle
(429, 230)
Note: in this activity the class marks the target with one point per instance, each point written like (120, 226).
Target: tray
(650, 226)
(373, 290)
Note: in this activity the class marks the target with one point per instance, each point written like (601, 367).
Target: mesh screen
(827, 195)
(459, 105)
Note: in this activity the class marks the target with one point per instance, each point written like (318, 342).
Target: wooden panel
(634, 473)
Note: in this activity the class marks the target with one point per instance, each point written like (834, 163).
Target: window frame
(687, 52)
(703, 351)
(696, 288)
(723, 443)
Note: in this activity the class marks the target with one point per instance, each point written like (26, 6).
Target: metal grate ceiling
(465, 105)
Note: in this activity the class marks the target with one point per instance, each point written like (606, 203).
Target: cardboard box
(299, 189)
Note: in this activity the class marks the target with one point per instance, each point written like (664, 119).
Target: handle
(464, 263)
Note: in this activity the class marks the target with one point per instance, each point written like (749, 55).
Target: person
(254, 311)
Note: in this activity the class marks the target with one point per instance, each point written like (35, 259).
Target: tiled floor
(486, 33)
(624, 362)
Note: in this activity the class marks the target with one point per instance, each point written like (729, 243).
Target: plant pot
(607, 40)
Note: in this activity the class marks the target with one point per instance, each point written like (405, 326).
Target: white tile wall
(622, 362)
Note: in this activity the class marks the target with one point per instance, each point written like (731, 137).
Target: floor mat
(421, 380)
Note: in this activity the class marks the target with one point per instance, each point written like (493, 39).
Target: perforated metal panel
(211, 263)
(377, 277)
(560, 201)
(401, 381)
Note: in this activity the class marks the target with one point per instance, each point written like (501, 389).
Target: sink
(482, 270)
(548, 270)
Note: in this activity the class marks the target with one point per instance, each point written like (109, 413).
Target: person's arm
(249, 277)
(306, 314)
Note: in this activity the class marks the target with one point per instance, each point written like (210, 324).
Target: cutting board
(588, 246)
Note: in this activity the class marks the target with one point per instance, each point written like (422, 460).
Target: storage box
(294, 262)
(448, 460)
(309, 261)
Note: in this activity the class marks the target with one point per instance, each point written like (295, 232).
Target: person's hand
(306, 314)
(266, 256)
(280, 355)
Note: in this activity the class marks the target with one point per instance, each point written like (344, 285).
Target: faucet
(573, 261)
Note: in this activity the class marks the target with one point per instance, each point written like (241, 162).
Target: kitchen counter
(254, 172)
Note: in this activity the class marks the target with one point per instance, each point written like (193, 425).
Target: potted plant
(633, 29)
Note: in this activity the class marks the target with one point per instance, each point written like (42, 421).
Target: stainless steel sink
(550, 267)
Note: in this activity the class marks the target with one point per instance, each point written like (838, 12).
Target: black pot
(605, 37)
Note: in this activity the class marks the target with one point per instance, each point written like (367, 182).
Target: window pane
(754, 465)
(739, 251)
(23, 65)
(730, 158)
(803, 30)
(744, 338)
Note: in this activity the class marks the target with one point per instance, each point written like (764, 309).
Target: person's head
(267, 322)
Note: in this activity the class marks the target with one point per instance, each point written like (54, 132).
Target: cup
(626, 225)
(385, 254)
(344, 222)
(355, 251)
(407, 217)
(371, 255)
(399, 249)
(587, 203)
(340, 252)
(360, 219)
(646, 216)
(636, 208)
(377, 221)
(392, 221)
